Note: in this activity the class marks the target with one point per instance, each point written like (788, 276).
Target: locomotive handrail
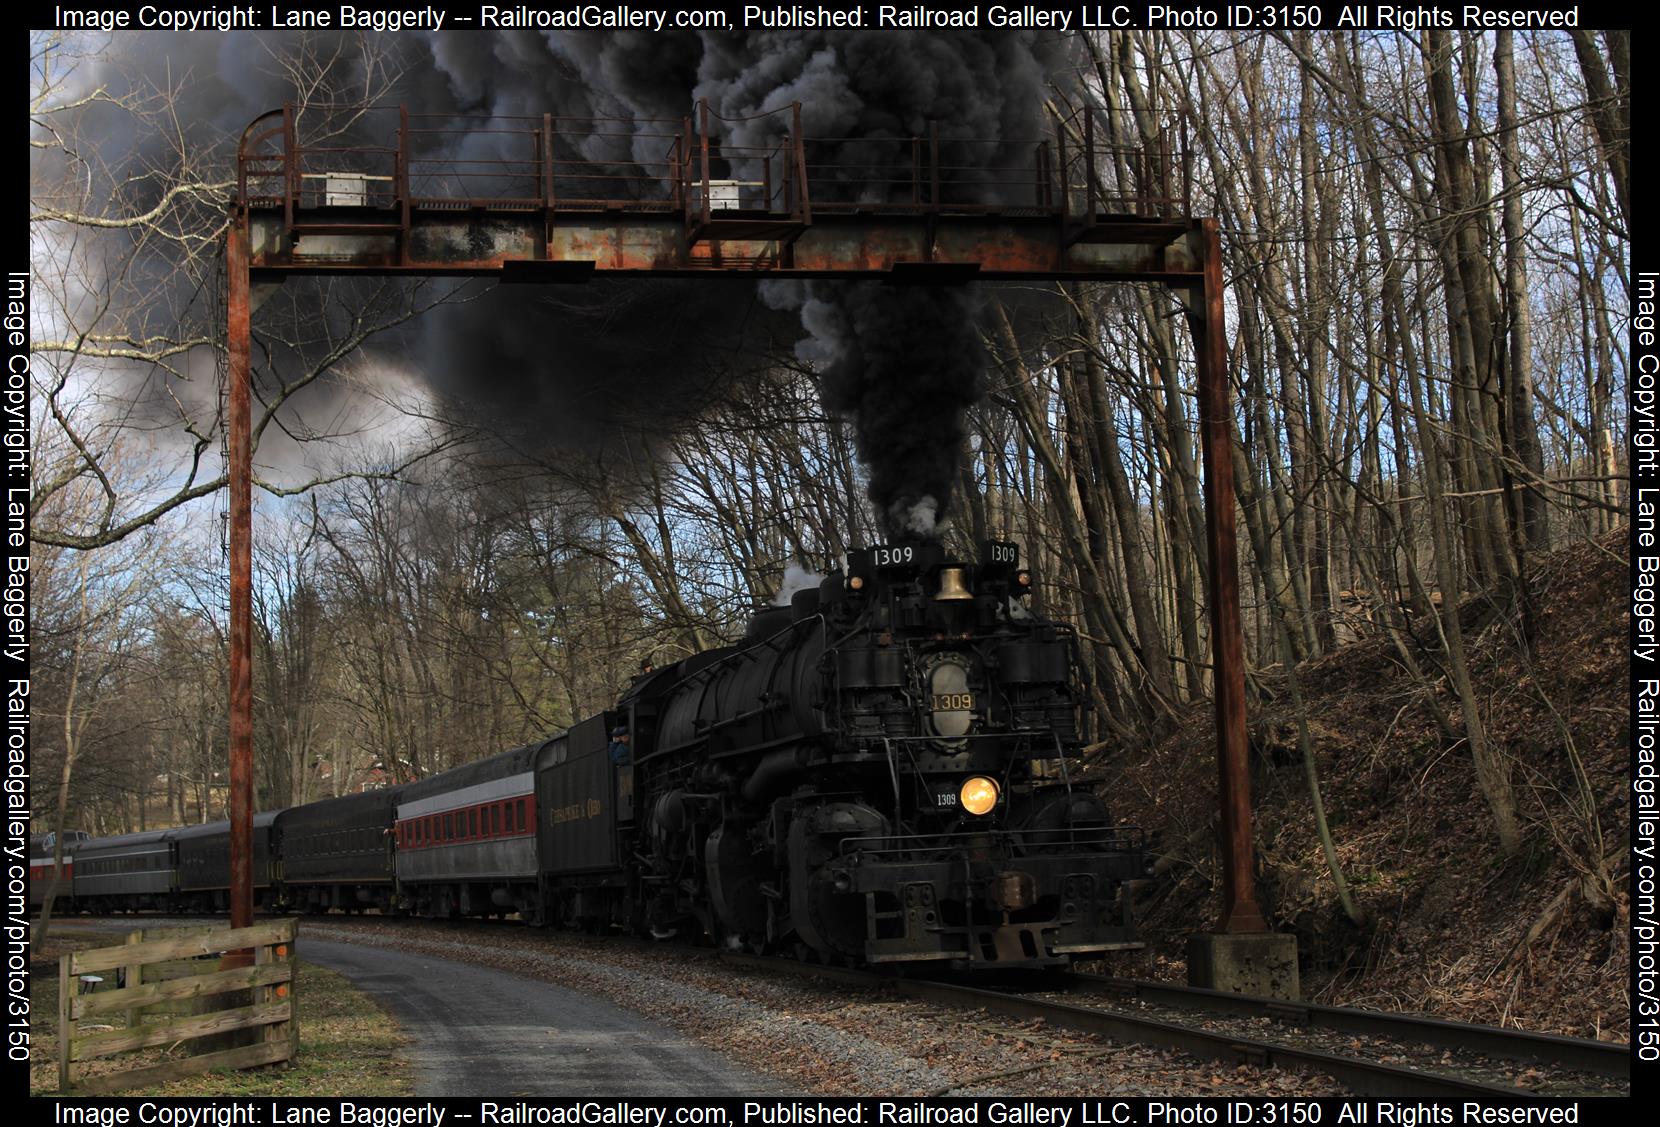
(1060, 753)
(1027, 734)
(1115, 838)
(893, 772)
(747, 749)
(739, 649)
(1094, 834)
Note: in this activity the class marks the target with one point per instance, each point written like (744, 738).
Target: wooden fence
(154, 976)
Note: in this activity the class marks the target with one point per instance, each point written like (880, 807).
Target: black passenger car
(204, 859)
(338, 853)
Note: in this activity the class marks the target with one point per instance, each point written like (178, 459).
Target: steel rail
(1605, 1058)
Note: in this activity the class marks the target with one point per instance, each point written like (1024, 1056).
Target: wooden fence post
(134, 974)
(293, 990)
(66, 1020)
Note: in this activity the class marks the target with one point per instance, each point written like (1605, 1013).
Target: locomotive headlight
(978, 795)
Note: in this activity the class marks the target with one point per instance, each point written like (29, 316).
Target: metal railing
(377, 164)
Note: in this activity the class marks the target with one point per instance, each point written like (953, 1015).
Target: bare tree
(128, 200)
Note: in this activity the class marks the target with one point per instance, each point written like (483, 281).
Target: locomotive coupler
(1013, 890)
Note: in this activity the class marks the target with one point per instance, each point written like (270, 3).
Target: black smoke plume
(564, 366)
(905, 364)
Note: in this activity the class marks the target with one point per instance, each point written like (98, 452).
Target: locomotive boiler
(878, 773)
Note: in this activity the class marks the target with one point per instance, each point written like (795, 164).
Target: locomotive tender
(876, 773)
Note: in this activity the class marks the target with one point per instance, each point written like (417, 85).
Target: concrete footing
(1259, 963)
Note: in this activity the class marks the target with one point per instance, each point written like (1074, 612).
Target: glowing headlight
(979, 795)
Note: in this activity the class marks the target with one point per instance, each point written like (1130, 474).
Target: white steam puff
(919, 519)
(796, 578)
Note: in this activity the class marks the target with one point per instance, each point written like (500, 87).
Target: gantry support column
(239, 452)
(1240, 955)
(1227, 643)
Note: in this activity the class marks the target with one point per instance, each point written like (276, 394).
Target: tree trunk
(1524, 434)
(1610, 107)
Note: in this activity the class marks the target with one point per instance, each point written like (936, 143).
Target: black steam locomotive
(877, 773)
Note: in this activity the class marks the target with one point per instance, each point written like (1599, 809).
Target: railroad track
(1602, 1058)
(1364, 1075)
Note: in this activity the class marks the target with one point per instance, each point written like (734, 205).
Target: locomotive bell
(952, 587)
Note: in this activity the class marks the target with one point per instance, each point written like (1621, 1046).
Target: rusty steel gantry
(556, 199)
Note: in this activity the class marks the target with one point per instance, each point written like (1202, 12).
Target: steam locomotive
(877, 773)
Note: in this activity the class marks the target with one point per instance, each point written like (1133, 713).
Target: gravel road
(478, 1031)
(816, 1037)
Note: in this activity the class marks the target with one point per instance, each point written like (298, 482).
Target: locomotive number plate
(951, 702)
